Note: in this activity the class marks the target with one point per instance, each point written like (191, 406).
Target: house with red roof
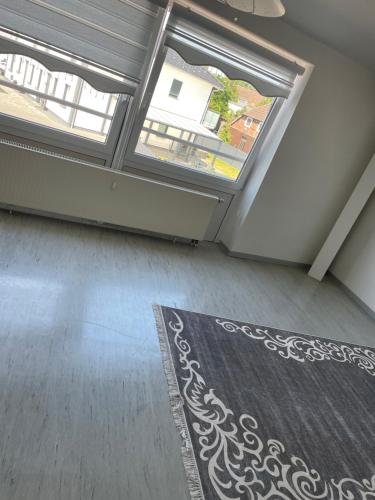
(245, 129)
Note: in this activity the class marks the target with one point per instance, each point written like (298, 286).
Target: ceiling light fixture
(265, 8)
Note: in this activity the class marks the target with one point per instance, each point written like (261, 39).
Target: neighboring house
(247, 98)
(245, 129)
(179, 106)
(183, 89)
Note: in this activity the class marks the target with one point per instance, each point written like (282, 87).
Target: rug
(269, 414)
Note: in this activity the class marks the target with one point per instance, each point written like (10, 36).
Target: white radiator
(38, 180)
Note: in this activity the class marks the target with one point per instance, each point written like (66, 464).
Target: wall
(241, 140)
(63, 187)
(193, 98)
(355, 264)
(240, 131)
(319, 161)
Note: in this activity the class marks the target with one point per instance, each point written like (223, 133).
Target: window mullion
(132, 119)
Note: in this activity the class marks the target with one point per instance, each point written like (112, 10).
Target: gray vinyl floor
(84, 411)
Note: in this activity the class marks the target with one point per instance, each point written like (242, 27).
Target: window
(179, 123)
(193, 144)
(211, 119)
(248, 122)
(80, 115)
(192, 148)
(39, 79)
(68, 107)
(12, 59)
(175, 88)
(162, 128)
(31, 75)
(66, 91)
(54, 86)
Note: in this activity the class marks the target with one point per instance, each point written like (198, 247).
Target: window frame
(119, 150)
(12, 62)
(179, 172)
(66, 90)
(54, 137)
(65, 140)
(248, 122)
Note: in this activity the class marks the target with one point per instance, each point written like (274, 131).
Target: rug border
(282, 330)
(177, 406)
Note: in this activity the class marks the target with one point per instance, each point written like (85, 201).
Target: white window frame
(54, 137)
(119, 150)
(248, 122)
(181, 173)
(178, 172)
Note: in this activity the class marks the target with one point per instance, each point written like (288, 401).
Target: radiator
(34, 179)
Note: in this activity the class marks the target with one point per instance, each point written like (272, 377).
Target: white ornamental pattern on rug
(304, 349)
(239, 463)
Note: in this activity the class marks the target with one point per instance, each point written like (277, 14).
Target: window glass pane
(175, 88)
(83, 111)
(211, 127)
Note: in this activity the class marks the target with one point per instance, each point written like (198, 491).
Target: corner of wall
(232, 230)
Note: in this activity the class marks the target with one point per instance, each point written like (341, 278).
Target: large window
(178, 131)
(207, 106)
(195, 106)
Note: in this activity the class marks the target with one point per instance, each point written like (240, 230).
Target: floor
(84, 405)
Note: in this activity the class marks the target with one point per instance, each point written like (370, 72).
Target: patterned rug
(269, 414)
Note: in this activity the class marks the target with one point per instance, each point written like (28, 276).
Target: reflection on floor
(84, 405)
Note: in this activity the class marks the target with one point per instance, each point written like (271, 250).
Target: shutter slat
(114, 33)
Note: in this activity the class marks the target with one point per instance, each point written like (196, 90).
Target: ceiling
(346, 25)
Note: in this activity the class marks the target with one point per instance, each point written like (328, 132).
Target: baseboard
(260, 258)
(353, 296)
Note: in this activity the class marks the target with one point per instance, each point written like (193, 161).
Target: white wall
(355, 264)
(63, 187)
(325, 149)
(193, 98)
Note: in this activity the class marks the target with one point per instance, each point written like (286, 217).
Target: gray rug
(269, 414)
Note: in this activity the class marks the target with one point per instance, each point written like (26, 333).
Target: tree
(224, 133)
(220, 99)
(219, 102)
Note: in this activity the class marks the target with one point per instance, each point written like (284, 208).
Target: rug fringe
(177, 403)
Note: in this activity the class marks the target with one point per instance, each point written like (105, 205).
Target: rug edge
(176, 402)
